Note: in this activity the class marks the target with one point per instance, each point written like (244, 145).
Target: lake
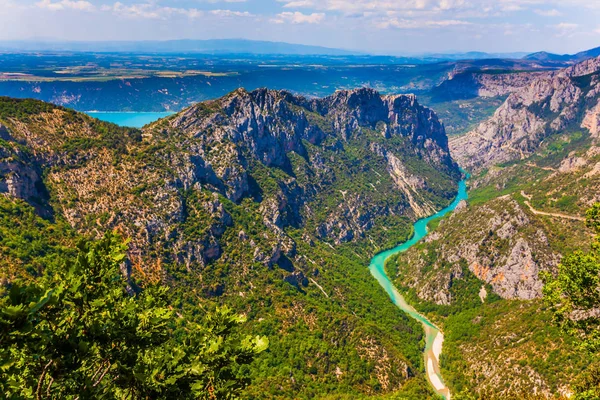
(129, 119)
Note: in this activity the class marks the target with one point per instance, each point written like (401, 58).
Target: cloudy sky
(378, 26)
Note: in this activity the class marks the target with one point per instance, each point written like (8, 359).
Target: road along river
(433, 336)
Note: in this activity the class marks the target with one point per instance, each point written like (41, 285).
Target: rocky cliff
(501, 243)
(233, 147)
(549, 104)
(470, 84)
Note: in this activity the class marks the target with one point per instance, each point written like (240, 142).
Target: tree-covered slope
(263, 201)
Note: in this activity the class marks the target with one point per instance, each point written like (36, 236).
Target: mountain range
(212, 46)
(262, 200)
(246, 46)
(581, 56)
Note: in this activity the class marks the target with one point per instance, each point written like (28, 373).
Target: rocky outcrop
(468, 84)
(547, 105)
(331, 166)
(20, 177)
(591, 121)
(499, 242)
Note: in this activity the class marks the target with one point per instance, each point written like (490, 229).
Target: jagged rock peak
(355, 99)
(347, 111)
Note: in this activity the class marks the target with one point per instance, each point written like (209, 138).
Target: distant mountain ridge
(212, 46)
(581, 56)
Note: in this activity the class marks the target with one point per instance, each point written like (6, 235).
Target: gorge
(273, 204)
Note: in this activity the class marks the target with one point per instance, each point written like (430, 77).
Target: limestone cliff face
(547, 105)
(20, 176)
(500, 242)
(332, 166)
(271, 124)
(466, 84)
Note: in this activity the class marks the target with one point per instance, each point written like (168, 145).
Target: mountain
(545, 56)
(264, 201)
(214, 46)
(473, 55)
(535, 168)
(547, 105)
(581, 56)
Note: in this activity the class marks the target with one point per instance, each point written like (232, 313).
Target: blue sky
(378, 26)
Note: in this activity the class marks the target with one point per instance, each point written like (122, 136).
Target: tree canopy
(83, 332)
(574, 297)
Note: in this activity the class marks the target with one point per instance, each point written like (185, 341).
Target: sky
(374, 26)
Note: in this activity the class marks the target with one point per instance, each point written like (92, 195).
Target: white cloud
(299, 4)
(229, 13)
(66, 4)
(566, 26)
(565, 29)
(418, 24)
(475, 7)
(548, 13)
(298, 18)
(151, 11)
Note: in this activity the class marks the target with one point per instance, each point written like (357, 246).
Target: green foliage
(22, 109)
(587, 386)
(574, 294)
(81, 332)
(28, 243)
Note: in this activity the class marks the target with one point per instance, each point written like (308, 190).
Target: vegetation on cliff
(265, 202)
(83, 331)
(574, 299)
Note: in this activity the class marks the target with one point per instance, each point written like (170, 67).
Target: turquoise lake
(433, 336)
(129, 119)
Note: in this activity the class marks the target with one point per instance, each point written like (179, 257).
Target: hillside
(549, 105)
(535, 172)
(264, 201)
(578, 57)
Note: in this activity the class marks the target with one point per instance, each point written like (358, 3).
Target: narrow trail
(556, 215)
(434, 338)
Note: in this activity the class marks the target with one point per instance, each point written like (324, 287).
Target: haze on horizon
(372, 26)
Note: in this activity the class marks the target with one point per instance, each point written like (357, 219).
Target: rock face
(271, 124)
(20, 177)
(548, 104)
(499, 242)
(466, 84)
(329, 165)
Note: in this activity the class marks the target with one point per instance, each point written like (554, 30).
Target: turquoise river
(433, 336)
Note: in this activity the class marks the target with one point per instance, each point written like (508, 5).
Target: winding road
(556, 215)
(434, 338)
